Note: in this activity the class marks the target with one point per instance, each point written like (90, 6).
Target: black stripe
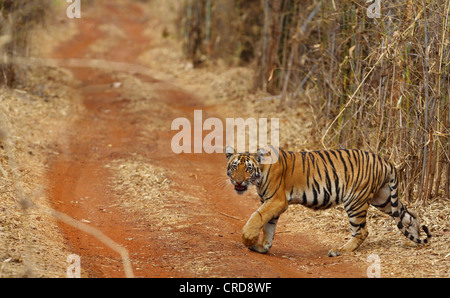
(315, 197)
(384, 204)
(360, 214)
(304, 198)
(334, 153)
(329, 159)
(317, 185)
(276, 190)
(303, 161)
(328, 181)
(307, 172)
(354, 224)
(293, 162)
(317, 166)
(394, 203)
(326, 199)
(265, 184)
(273, 221)
(425, 229)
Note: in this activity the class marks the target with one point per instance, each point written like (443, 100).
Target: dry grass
(31, 244)
(31, 114)
(146, 188)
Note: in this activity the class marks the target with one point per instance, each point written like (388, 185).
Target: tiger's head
(243, 169)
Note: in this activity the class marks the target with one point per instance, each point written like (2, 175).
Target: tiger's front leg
(267, 240)
(266, 216)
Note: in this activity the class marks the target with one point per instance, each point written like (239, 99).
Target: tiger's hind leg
(357, 216)
(407, 219)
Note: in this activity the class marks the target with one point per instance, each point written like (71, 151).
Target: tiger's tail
(406, 220)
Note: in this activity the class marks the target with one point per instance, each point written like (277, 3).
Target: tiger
(319, 180)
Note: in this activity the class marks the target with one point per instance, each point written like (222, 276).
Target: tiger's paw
(334, 252)
(259, 248)
(250, 236)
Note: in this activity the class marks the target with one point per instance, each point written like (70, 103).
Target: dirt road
(206, 241)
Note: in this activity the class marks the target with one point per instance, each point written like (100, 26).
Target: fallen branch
(231, 216)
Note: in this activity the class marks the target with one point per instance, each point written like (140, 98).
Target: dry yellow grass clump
(30, 242)
(147, 189)
(38, 106)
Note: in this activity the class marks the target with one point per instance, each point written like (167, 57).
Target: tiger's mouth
(240, 189)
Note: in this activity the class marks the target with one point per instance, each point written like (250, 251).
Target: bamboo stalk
(299, 32)
(208, 22)
(426, 68)
(266, 39)
(444, 107)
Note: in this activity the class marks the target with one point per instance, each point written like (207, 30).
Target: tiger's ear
(261, 154)
(229, 152)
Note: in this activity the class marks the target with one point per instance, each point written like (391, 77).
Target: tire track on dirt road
(208, 243)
